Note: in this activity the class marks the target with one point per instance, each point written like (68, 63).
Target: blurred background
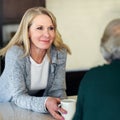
(80, 22)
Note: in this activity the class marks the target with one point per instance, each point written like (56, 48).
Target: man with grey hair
(99, 91)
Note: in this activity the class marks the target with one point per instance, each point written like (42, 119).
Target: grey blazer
(16, 79)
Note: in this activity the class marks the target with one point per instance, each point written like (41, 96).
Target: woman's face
(41, 32)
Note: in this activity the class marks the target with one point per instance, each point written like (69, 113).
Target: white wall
(81, 23)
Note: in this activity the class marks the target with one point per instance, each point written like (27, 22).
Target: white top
(39, 74)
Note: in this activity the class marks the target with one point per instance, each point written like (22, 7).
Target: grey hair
(110, 42)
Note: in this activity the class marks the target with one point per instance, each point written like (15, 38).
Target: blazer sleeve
(16, 71)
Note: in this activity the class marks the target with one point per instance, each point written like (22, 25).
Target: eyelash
(49, 28)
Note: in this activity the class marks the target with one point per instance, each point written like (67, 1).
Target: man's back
(99, 94)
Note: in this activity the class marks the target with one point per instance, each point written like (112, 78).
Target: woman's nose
(46, 33)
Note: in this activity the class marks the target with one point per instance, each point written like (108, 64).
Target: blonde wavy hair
(21, 37)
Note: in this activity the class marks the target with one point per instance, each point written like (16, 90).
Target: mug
(70, 106)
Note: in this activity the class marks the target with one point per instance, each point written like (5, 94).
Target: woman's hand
(52, 107)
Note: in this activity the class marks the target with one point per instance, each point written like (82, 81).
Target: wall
(81, 23)
(7, 30)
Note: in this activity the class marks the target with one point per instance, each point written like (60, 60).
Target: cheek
(33, 36)
(53, 36)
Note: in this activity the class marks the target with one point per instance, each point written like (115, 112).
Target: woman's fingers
(52, 106)
(62, 111)
(57, 115)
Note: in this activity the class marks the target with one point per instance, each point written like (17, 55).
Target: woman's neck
(37, 55)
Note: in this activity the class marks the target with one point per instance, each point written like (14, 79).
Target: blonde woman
(35, 60)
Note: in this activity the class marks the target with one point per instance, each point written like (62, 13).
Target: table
(9, 111)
